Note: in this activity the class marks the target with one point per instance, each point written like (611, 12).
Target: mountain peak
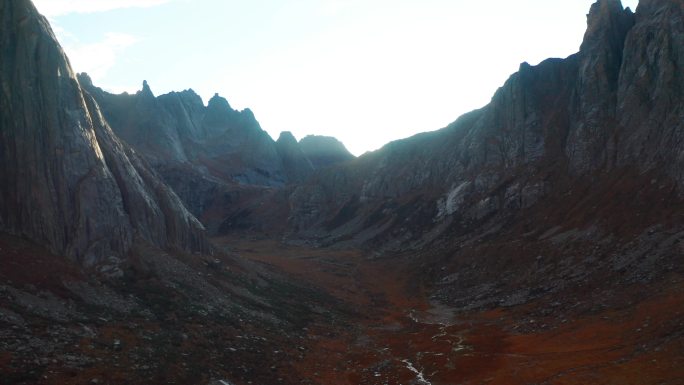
(218, 102)
(297, 166)
(324, 150)
(607, 24)
(146, 90)
(287, 138)
(85, 80)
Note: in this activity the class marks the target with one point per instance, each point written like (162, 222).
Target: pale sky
(364, 71)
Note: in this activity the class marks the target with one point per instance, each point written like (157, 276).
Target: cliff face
(67, 182)
(650, 91)
(613, 106)
(594, 102)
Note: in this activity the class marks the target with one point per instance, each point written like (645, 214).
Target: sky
(364, 71)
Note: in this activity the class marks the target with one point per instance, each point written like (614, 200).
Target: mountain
(535, 240)
(210, 155)
(176, 131)
(104, 273)
(67, 181)
(612, 109)
(324, 151)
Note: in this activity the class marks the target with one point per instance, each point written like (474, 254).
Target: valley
(396, 334)
(321, 316)
(537, 240)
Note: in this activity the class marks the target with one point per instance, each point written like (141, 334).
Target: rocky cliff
(616, 105)
(66, 181)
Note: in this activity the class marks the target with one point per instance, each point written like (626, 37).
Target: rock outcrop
(66, 181)
(324, 151)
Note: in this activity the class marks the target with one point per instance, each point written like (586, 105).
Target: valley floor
(394, 333)
(268, 313)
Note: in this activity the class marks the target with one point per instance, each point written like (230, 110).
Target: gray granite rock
(66, 181)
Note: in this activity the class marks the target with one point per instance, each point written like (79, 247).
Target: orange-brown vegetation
(394, 323)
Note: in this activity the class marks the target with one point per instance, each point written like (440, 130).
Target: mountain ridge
(573, 117)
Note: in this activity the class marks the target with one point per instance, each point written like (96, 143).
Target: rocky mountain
(324, 151)
(176, 130)
(103, 271)
(177, 133)
(67, 181)
(535, 240)
(210, 155)
(614, 106)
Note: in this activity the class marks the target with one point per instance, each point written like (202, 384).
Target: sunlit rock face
(66, 181)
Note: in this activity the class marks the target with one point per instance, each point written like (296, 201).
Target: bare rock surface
(67, 181)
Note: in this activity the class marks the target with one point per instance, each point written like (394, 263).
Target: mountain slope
(615, 105)
(141, 278)
(67, 181)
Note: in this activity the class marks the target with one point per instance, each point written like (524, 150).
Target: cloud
(98, 58)
(53, 8)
